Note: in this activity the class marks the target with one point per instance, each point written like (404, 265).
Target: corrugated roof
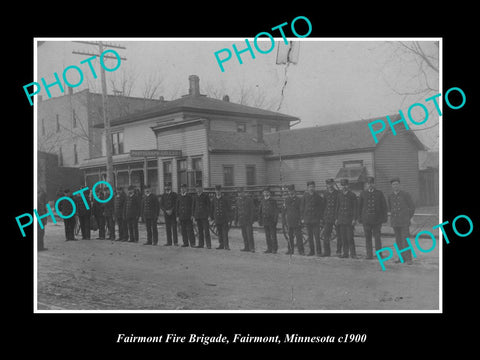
(345, 136)
(202, 104)
(231, 142)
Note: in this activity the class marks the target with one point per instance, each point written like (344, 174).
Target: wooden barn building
(345, 150)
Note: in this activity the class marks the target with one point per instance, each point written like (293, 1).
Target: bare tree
(412, 71)
(152, 85)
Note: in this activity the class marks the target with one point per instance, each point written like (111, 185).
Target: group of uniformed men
(335, 208)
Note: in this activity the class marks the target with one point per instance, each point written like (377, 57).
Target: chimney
(70, 90)
(194, 89)
(226, 98)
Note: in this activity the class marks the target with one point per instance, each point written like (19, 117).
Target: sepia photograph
(237, 175)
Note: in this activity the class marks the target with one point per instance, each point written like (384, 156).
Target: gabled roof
(204, 105)
(339, 137)
(223, 141)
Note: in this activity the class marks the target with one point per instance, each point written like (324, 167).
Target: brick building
(66, 123)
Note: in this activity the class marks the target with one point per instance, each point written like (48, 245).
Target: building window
(43, 126)
(58, 123)
(241, 127)
(250, 174)
(197, 167)
(75, 154)
(117, 143)
(228, 175)
(181, 172)
(74, 119)
(167, 172)
(352, 163)
(270, 128)
(60, 157)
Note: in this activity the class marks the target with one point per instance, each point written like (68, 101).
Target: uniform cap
(329, 181)
(344, 182)
(310, 183)
(396, 178)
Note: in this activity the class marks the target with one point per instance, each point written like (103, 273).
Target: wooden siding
(397, 156)
(298, 171)
(192, 141)
(239, 162)
(140, 137)
(229, 123)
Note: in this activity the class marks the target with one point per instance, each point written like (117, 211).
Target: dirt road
(106, 275)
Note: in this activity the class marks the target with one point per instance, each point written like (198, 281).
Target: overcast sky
(333, 81)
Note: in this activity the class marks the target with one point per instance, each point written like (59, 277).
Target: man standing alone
(168, 202)
(268, 216)
(346, 217)
(312, 212)
(201, 210)
(373, 212)
(293, 221)
(402, 210)
(244, 212)
(132, 213)
(331, 198)
(184, 215)
(150, 209)
(221, 213)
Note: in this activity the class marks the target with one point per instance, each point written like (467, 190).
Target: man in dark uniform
(149, 213)
(132, 213)
(372, 208)
(402, 210)
(221, 213)
(119, 213)
(331, 198)
(97, 211)
(41, 209)
(293, 219)
(244, 213)
(108, 213)
(84, 213)
(201, 210)
(184, 215)
(312, 212)
(168, 203)
(268, 216)
(66, 208)
(346, 215)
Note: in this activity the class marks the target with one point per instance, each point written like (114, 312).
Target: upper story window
(241, 127)
(117, 143)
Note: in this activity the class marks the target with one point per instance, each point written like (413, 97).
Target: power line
(106, 121)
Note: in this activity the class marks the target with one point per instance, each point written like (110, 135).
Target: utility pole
(106, 121)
